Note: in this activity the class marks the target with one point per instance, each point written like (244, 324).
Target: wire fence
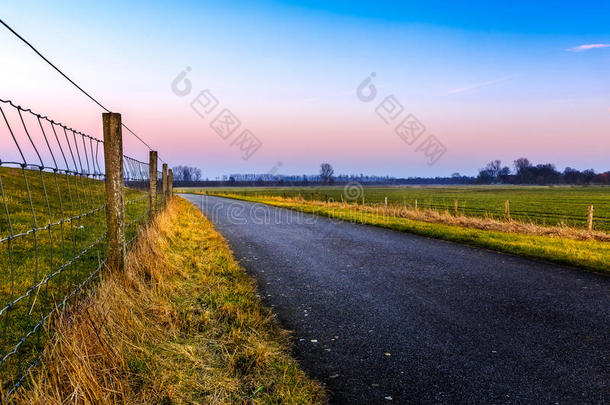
(53, 231)
(545, 207)
(137, 210)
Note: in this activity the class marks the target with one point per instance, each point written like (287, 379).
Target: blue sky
(490, 81)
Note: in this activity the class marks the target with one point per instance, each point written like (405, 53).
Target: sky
(486, 81)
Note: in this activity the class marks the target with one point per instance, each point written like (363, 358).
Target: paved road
(379, 314)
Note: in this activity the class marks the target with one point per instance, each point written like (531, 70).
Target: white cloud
(479, 85)
(582, 48)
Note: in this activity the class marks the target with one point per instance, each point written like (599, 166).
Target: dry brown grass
(181, 325)
(433, 216)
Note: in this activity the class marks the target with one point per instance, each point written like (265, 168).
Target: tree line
(524, 172)
(521, 172)
(186, 173)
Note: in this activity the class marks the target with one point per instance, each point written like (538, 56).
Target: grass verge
(52, 238)
(181, 325)
(590, 254)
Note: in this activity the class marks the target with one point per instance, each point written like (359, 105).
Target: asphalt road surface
(387, 317)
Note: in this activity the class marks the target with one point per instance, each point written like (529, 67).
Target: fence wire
(137, 210)
(540, 209)
(52, 228)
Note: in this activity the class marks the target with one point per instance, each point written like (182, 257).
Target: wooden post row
(115, 198)
(164, 183)
(170, 184)
(152, 186)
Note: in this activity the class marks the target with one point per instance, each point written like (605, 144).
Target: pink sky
(484, 95)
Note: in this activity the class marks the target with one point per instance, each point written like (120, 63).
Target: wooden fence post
(170, 184)
(455, 207)
(116, 248)
(507, 210)
(164, 183)
(590, 219)
(152, 183)
(416, 209)
(385, 202)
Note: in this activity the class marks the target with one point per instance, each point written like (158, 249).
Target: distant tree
(526, 173)
(326, 173)
(504, 174)
(186, 173)
(178, 173)
(589, 175)
(546, 174)
(522, 163)
(197, 174)
(494, 168)
(484, 177)
(572, 176)
(491, 172)
(523, 170)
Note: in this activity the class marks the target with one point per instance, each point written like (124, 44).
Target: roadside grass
(541, 205)
(181, 325)
(559, 245)
(34, 199)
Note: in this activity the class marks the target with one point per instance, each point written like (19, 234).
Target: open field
(542, 205)
(570, 246)
(52, 228)
(183, 324)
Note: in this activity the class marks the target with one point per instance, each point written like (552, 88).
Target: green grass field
(540, 205)
(39, 268)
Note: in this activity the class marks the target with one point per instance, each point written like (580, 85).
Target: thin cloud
(479, 85)
(582, 48)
